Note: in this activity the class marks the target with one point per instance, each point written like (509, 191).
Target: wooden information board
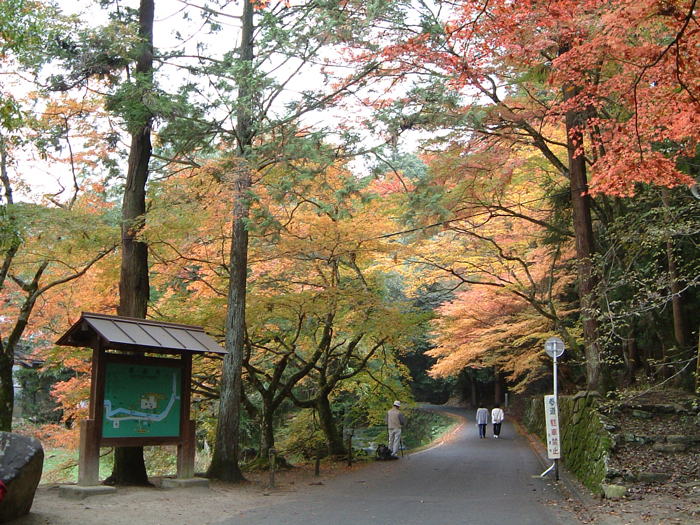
(138, 397)
(141, 401)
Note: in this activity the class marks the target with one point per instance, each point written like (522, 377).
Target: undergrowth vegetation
(298, 445)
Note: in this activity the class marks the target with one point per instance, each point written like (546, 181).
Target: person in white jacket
(482, 419)
(395, 423)
(497, 417)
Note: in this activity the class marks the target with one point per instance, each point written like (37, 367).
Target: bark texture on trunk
(134, 288)
(224, 465)
(583, 234)
(336, 446)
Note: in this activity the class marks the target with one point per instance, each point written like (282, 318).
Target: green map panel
(141, 401)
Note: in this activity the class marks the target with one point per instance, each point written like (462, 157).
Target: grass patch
(421, 429)
(61, 464)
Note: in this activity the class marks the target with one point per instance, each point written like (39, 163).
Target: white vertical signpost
(554, 348)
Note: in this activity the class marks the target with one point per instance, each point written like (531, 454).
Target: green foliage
(61, 463)
(35, 398)
(9, 233)
(160, 461)
(637, 283)
(28, 26)
(138, 101)
(84, 52)
(424, 427)
(302, 437)
(97, 54)
(10, 113)
(59, 233)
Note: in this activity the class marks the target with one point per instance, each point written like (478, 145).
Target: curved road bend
(465, 481)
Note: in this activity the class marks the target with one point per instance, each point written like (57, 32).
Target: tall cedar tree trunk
(632, 358)
(224, 464)
(129, 466)
(498, 386)
(683, 355)
(7, 350)
(583, 233)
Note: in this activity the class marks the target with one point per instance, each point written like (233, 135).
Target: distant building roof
(128, 334)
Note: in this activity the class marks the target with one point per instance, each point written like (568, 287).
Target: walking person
(497, 417)
(482, 419)
(395, 423)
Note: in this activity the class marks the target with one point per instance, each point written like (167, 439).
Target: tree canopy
(351, 196)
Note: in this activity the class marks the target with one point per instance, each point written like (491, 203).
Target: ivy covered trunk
(267, 432)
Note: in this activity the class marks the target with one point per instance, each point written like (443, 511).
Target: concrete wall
(585, 439)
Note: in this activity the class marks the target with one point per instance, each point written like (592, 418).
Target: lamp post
(554, 347)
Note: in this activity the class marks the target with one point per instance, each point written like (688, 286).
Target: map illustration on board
(141, 401)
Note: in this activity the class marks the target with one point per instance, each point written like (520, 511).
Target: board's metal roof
(142, 335)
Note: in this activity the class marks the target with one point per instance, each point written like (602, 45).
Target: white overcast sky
(169, 19)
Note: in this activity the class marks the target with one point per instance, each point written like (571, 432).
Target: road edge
(568, 484)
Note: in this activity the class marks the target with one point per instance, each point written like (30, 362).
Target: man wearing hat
(395, 422)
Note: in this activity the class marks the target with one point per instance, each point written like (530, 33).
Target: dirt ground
(159, 506)
(202, 506)
(675, 502)
(660, 508)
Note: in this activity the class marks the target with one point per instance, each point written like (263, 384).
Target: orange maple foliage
(511, 279)
(500, 327)
(315, 261)
(632, 66)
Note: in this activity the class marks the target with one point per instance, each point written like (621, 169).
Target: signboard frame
(552, 423)
(184, 401)
(137, 342)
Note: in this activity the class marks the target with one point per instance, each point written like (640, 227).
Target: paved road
(466, 480)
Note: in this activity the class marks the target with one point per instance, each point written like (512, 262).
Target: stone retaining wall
(586, 440)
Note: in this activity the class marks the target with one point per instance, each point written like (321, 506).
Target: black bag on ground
(384, 453)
